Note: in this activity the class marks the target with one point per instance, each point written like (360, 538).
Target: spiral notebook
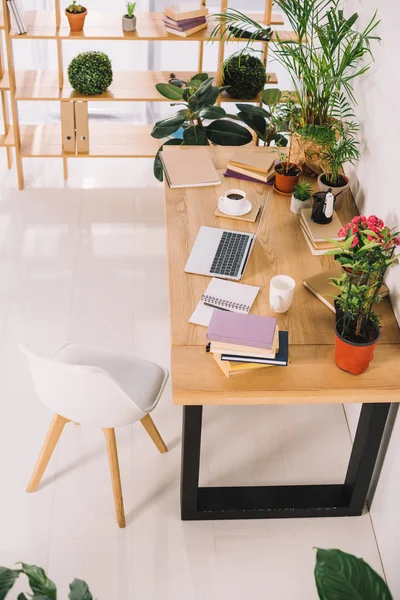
(224, 295)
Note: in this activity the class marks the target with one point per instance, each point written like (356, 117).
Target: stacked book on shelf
(185, 19)
(17, 13)
(243, 343)
(257, 167)
(317, 235)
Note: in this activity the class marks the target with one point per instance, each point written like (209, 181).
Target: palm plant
(341, 149)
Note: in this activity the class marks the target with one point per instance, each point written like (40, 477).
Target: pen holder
(318, 209)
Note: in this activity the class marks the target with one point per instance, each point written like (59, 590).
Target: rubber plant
(42, 587)
(268, 123)
(197, 97)
(342, 576)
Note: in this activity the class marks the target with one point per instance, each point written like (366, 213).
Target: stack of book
(185, 19)
(243, 343)
(258, 167)
(316, 235)
(18, 16)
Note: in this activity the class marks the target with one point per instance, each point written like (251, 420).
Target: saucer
(243, 211)
(287, 194)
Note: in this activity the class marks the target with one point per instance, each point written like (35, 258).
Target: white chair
(84, 384)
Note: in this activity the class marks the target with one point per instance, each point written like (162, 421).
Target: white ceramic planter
(129, 24)
(297, 205)
(340, 192)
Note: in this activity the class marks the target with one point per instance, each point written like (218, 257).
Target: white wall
(375, 190)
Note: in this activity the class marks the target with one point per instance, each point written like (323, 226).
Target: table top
(312, 375)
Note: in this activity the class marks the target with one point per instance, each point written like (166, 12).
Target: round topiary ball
(90, 73)
(245, 75)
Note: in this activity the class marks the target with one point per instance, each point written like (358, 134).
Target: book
(186, 10)
(222, 294)
(254, 161)
(313, 250)
(230, 369)
(183, 25)
(317, 232)
(235, 175)
(251, 174)
(188, 32)
(317, 245)
(281, 358)
(321, 286)
(189, 167)
(241, 329)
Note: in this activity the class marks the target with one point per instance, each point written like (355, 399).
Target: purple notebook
(183, 25)
(234, 175)
(242, 330)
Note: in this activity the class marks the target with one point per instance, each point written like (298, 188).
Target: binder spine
(226, 304)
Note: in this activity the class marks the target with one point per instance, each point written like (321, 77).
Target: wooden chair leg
(115, 476)
(153, 432)
(53, 435)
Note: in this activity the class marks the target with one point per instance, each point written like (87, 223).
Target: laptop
(221, 252)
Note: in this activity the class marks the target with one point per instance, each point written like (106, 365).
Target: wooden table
(311, 377)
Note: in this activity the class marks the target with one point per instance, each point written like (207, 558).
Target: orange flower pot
(76, 20)
(351, 356)
(286, 183)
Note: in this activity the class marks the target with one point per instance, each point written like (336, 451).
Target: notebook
(314, 251)
(234, 349)
(317, 232)
(187, 32)
(280, 360)
(223, 295)
(262, 162)
(237, 175)
(242, 329)
(186, 10)
(189, 167)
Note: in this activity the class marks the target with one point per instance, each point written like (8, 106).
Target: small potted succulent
(301, 197)
(76, 14)
(129, 20)
(365, 254)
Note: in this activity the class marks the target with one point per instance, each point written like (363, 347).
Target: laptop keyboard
(229, 255)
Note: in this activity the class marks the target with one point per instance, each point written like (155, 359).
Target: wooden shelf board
(5, 82)
(127, 86)
(7, 140)
(107, 26)
(105, 141)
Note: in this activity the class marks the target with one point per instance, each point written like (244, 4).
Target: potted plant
(243, 75)
(366, 254)
(129, 20)
(301, 197)
(76, 14)
(341, 148)
(196, 99)
(287, 171)
(90, 73)
(267, 123)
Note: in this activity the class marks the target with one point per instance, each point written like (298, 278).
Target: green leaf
(170, 91)
(22, 597)
(79, 591)
(253, 110)
(7, 579)
(335, 243)
(195, 136)
(341, 576)
(200, 76)
(39, 582)
(166, 127)
(281, 140)
(207, 99)
(157, 165)
(226, 133)
(255, 122)
(211, 112)
(271, 96)
(333, 252)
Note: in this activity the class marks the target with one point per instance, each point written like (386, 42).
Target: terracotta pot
(76, 20)
(286, 183)
(339, 191)
(129, 23)
(351, 356)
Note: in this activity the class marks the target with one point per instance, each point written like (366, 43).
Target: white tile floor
(86, 261)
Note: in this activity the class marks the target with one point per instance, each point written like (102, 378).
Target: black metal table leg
(290, 501)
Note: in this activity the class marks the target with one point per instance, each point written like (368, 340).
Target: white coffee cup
(233, 201)
(281, 292)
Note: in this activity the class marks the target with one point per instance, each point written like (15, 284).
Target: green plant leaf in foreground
(342, 576)
(157, 167)
(227, 133)
(40, 584)
(7, 579)
(79, 590)
(195, 135)
(170, 91)
(166, 127)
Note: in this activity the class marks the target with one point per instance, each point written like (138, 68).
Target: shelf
(127, 86)
(7, 140)
(107, 26)
(105, 141)
(5, 82)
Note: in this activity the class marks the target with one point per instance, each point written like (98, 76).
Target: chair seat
(140, 379)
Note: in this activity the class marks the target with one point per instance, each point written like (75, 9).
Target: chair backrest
(84, 394)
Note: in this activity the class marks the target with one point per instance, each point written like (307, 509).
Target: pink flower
(355, 242)
(370, 238)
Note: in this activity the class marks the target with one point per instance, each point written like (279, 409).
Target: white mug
(233, 200)
(281, 292)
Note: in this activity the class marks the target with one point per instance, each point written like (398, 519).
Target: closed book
(220, 348)
(234, 175)
(317, 232)
(255, 177)
(280, 360)
(261, 161)
(313, 250)
(183, 25)
(188, 32)
(230, 370)
(254, 331)
(317, 245)
(186, 11)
